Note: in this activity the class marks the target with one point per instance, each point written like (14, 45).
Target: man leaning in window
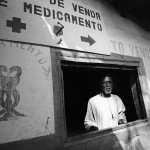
(104, 110)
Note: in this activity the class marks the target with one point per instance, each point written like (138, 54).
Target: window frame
(58, 55)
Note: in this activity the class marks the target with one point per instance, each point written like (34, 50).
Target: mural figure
(9, 96)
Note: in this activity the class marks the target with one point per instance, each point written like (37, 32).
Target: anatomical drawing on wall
(26, 95)
(9, 95)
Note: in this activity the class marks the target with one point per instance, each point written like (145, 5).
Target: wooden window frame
(57, 56)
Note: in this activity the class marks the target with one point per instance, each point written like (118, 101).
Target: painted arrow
(88, 40)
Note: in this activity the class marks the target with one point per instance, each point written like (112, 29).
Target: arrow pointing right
(88, 40)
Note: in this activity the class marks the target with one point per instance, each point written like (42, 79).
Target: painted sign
(61, 23)
(26, 92)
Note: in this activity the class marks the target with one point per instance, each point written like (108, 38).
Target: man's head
(107, 85)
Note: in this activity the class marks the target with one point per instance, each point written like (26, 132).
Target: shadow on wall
(137, 138)
(145, 87)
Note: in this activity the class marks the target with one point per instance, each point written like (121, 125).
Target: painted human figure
(105, 110)
(8, 89)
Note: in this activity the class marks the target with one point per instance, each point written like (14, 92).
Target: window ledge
(98, 134)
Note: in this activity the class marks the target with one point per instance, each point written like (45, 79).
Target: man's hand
(93, 128)
(121, 121)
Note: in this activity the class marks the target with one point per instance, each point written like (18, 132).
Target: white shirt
(104, 112)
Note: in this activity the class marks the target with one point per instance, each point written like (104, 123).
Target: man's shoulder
(94, 98)
(116, 97)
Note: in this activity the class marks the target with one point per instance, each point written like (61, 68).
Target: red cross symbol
(16, 25)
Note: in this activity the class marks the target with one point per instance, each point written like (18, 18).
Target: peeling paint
(48, 26)
(47, 130)
(63, 44)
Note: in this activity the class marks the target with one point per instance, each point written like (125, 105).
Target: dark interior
(81, 82)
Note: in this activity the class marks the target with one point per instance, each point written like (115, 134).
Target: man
(104, 110)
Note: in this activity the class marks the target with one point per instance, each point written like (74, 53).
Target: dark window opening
(81, 82)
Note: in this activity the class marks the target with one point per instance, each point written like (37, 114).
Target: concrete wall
(28, 49)
(27, 108)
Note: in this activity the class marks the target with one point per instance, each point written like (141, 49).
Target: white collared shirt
(104, 112)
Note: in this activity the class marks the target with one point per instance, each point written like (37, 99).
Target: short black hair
(104, 76)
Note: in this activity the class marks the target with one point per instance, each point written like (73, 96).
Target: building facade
(52, 52)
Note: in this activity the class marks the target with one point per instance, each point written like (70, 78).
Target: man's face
(107, 85)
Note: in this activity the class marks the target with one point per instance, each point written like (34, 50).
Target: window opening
(81, 82)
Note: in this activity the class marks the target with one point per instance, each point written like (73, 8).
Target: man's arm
(121, 115)
(89, 122)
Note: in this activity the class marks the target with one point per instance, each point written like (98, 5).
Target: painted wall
(85, 25)
(26, 92)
